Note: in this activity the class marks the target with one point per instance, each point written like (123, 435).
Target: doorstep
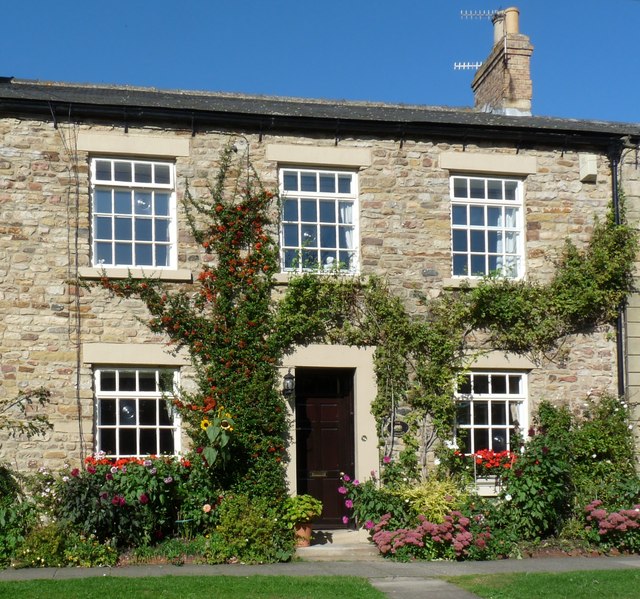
(339, 545)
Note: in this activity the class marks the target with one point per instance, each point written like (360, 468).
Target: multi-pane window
(490, 407)
(319, 220)
(487, 227)
(133, 211)
(134, 414)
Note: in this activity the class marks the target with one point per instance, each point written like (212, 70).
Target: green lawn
(621, 584)
(194, 587)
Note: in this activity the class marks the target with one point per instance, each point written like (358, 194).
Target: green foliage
(432, 498)
(17, 514)
(84, 551)
(43, 547)
(300, 509)
(250, 530)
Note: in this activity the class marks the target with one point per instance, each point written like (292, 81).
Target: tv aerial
(473, 14)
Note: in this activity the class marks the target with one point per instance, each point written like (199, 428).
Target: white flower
(594, 455)
(507, 497)
(65, 479)
(630, 426)
(436, 461)
(451, 444)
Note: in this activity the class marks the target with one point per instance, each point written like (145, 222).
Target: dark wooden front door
(324, 437)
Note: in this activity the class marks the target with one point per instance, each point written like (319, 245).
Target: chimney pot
(511, 20)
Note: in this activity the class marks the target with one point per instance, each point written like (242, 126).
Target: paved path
(396, 580)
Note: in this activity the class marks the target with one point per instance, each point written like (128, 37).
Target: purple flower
(109, 476)
(168, 480)
(348, 503)
(356, 482)
(113, 470)
(342, 490)
(153, 470)
(346, 478)
(345, 519)
(369, 524)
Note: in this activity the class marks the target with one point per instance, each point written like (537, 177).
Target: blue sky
(586, 62)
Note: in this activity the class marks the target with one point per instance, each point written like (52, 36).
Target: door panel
(324, 437)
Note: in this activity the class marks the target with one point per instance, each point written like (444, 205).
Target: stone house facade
(91, 178)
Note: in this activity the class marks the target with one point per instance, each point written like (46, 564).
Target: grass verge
(591, 584)
(195, 587)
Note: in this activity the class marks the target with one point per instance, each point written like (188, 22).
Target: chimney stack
(502, 84)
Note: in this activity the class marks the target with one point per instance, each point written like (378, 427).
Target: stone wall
(404, 233)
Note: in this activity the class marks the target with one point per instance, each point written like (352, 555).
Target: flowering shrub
(619, 529)
(493, 463)
(129, 501)
(458, 537)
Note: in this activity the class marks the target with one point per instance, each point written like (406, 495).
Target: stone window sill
(180, 275)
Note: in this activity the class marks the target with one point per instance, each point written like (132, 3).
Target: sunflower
(225, 425)
(205, 423)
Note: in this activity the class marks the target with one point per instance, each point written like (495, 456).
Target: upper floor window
(490, 407)
(319, 220)
(133, 207)
(133, 412)
(487, 228)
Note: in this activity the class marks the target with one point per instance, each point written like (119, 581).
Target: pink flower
(345, 519)
(91, 470)
(369, 524)
(144, 499)
(348, 503)
(75, 472)
(346, 478)
(356, 482)
(206, 508)
(386, 459)
(342, 490)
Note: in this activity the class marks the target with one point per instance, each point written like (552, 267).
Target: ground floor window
(491, 406)
(134, 415)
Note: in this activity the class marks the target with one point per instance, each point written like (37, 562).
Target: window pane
(162, 230)
(498, 384)
(480, 439)
(499, 439)
(477, 241)
(128, 412)
(460, 267)
(512, 217)
(143, 202)
(123, 229)
(494, 190)
(107, 380)
(327, 183)
(128, 441)
(290, 210)
(477, 216)
(514, 384)
(103, 170)
(127, 380)
(162, 204)
(124, 254)
(144, 254)
(165, 415)
(123, 202)
(510, 188)
(464, 386)
(107, 440)
(459, 240)
(327, 212)
(494, 241)
(328, 260)
(103, 253)
(163, 174)
(167, 444)
(327, 237)
(162, 255)
(102, 228)
(102, 201)
(459, 187)
(148, 441)
(144, 229)
(107, 411)
(147, 412)
(494, 217)
(290, 233)
(290, 181)
(481, 383)
(308, 211)
(345, 213)
(143, 173)
(308, 182)
(478, 267)
(122, 171)
(476, 189)
(345, 260)
(310, 259)
(309, 236)
(498, 412)
(463, 412)
(147, 380)
(459, 215)
(291, 259)
(480, 412)
(344, 183)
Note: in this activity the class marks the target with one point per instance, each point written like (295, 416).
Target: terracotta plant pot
(303, 534)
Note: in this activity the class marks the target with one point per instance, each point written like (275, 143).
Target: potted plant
(299, 510)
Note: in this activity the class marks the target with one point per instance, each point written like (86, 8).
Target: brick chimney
(502, 84)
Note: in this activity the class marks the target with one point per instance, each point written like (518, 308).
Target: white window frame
(297, 256)
(487, 226)
(163, 251)
(126, 413)
(478, 409)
